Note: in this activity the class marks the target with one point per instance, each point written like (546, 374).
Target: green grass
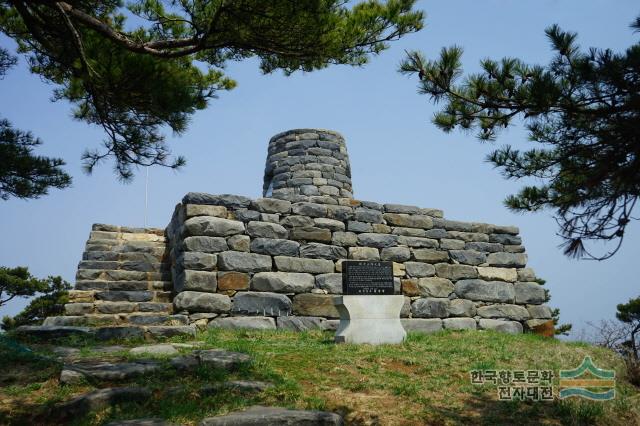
(423, 381)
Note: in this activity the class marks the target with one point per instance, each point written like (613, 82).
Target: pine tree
(583, 112)
(139, 67)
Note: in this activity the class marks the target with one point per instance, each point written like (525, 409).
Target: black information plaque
(367, 277)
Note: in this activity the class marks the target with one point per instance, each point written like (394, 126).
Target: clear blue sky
(397, 155)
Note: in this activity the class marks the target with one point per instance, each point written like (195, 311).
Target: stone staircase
(124, 279)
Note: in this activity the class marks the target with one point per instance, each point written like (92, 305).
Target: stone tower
(307, 162)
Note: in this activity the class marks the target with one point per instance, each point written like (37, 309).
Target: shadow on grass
(484, 409)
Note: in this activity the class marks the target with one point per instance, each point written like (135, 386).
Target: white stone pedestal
(370, 319)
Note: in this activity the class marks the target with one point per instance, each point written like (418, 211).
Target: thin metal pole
(146, 197)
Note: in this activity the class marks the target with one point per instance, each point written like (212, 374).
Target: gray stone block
(530, 292)
(275, 247)
(330, 224)
(462, 308)
(512, 327)
(312, 266)
(239, 243)
(251, 323)
(322, 251)
(507, 260)
(355, 226)
(332, 283)
(488, 291)
(409, 232)
(212, 227)
(261, 303)
(315, 305)
(364, 253)
(197, 281)
(124, 296)
(346, 239)
(409, 221)
(468, 236)
(455, 272)
(435, 287)
(539, 311)
(468, 257)
(295, 323)
(418, 242)
(419, 269)
(513, 312)
(395, 254)
(266, 230)
(449, 244)
(459, 323)
(197, 261)
(484, 247)
(430, 308)
(296, 221)
(505, 239)
(283, 282)
(243, 262)
(271, 205)
(369, 239)
(204, 244)
(430, 256)
(193, 301)
(311, 233)
(227, 200)
(309, 209)
(343, 213)
(368, 215)
(422, 325)
(400, 208)
(112, 308)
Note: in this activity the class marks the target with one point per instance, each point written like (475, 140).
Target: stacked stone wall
(270, 263)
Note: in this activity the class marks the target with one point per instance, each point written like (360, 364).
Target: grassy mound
(424, 381)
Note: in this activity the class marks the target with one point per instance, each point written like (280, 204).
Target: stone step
(97, 400)
(125, 236)
(118, 228)
(130, 265)
(133, 318)
(105, 285)
(48, 332)
(117, 256)
(91, 296)
(134, 296)
(108, 307)
(115, 275)
(126, 246)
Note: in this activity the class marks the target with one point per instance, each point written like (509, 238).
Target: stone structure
(275, 262)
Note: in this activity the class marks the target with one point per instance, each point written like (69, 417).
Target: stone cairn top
(307, 162)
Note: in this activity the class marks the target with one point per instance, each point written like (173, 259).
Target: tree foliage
(629, 313)
(18, 282)
(146, 66)
(583, 111)
(23, 174)
(53, 296)
(559, 329)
